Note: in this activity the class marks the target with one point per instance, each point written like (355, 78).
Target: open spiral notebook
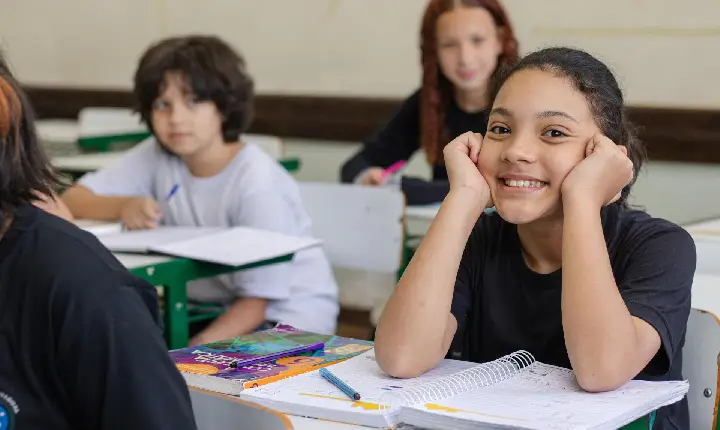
(514, 392)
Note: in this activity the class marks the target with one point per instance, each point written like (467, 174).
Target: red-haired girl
(464, 44)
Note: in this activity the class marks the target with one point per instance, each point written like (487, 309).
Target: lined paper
(548, 397)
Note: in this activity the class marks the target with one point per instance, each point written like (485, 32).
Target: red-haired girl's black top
(399, 139)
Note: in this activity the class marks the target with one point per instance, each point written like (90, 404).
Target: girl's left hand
(601, 176)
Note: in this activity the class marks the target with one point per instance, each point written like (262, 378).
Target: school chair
(104, 128)
(214, 411)
(362, 229)
(701, 357)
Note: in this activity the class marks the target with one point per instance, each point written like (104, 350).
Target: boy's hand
(140, 213)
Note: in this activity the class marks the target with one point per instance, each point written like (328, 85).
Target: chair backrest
(706, 292)
(701, 356)
(214, 411)
(708, 255)
(273, 145)
(103, 121)
(361, 227)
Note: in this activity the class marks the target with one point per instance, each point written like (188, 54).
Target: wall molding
(670, 134)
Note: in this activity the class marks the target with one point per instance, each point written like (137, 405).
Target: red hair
(436, 90)
(10, 116)
(10, 109)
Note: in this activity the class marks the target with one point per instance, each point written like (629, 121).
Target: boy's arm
(83, 203)
(100, 195)
(242, 317)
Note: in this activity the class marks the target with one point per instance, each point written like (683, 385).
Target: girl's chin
(520, 214)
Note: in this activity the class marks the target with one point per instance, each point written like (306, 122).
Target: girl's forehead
(464, 18)
(528, 92)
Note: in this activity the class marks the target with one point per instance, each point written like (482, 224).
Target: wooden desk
(172, 275)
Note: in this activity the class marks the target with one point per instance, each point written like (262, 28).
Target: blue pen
(173, 190)
(345, 388)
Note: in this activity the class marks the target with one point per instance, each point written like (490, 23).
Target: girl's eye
(553, 133)
(192, 101)
(498, 129)
(159, 105)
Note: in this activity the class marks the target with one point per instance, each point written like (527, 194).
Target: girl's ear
(623, 149)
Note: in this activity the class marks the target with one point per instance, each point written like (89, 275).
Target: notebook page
(304, 393)
(548, 397)
(237, 246)
(145, 240)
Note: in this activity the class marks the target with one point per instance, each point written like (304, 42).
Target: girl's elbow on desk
(398, 364)
(607, 372)
(600, 380)
(402, 360)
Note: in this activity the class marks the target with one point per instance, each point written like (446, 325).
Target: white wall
(664, 50)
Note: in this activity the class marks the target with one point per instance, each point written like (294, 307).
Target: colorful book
(209, 366)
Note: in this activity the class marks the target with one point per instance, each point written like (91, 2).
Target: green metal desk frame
(172, 276)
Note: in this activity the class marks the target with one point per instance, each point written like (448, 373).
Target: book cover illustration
(214, 359)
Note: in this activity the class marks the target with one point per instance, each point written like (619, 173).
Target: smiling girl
(463, 46)
(564, 269)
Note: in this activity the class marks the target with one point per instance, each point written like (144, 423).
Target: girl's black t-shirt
(81, 344)
(502, 306)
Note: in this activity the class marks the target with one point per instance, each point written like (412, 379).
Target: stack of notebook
(514, 392)
(210, 366)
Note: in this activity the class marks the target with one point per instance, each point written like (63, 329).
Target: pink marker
(393, 168)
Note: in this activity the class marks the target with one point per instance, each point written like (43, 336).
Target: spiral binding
(482, 375)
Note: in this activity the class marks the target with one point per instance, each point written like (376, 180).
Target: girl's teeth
(523, 184)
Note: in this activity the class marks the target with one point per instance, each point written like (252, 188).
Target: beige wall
(666, 52)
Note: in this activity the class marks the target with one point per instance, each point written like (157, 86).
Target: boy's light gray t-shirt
(254, 191)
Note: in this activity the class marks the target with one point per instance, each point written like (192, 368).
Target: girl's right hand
(140, 213)
(372, 177)
(461, 158)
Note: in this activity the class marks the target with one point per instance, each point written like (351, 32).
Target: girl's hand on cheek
(600, 177)
(461, 161)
